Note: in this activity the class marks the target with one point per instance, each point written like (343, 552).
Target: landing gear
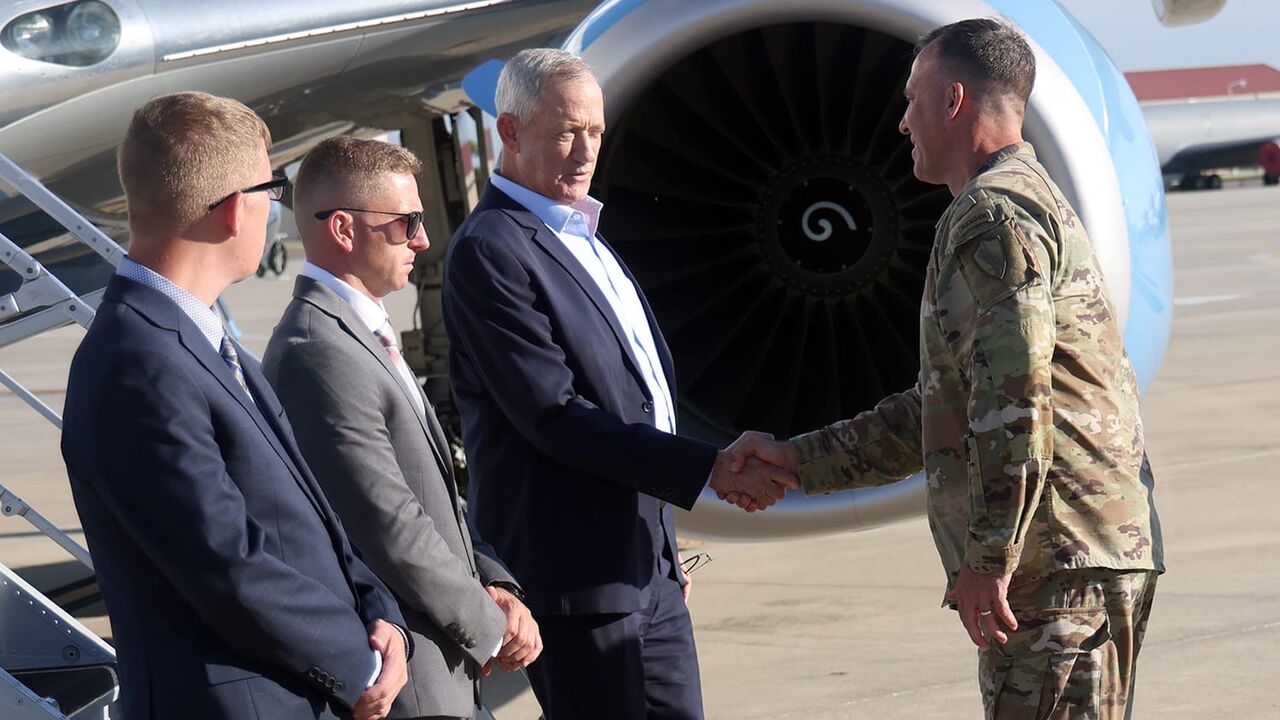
(1200, 182)
(274, 257)
(1271, 178)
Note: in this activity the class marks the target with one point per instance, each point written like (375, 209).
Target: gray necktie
(232, 359)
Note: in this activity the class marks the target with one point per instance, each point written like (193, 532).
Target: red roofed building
(1205, 82)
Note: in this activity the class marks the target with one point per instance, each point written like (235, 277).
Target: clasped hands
(755, 471)
(521, 641)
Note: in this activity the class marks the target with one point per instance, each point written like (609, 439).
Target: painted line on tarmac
(1205, 299)
(1250, 630)
(1222, 459)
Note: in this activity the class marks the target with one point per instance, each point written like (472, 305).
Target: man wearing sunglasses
(365, 426)
(229, 581)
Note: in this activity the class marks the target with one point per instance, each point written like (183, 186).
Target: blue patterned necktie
(232, 359)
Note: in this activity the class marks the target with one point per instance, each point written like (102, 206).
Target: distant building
(1204, 82)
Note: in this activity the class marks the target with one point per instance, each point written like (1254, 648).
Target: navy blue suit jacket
(230, 585)
(566, 469)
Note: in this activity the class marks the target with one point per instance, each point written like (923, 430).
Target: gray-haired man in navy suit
(566, 390)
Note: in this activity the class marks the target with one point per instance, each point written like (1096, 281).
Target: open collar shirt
(575, 226)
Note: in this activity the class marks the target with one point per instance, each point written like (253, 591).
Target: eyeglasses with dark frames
(693, 562)
(274, 188)
(413, 220)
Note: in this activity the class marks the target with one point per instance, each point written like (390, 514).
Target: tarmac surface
(849, 626)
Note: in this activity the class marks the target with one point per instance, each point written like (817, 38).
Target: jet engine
(755, 181)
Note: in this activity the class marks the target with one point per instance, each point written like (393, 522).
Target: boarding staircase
(51, 666)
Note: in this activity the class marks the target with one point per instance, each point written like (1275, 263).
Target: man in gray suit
(372, 437)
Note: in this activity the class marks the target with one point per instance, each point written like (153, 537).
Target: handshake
(755, 471)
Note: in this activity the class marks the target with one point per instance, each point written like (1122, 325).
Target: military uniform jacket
(1025, 413)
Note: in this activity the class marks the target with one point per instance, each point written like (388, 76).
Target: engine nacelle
(756, 183)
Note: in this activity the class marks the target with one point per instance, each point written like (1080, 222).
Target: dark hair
(987, 53)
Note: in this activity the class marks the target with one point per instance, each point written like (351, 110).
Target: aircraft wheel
(1214, 182)
(1271, 179)
(277, 257)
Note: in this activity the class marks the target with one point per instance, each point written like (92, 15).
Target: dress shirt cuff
(404, 637)
(377, 669)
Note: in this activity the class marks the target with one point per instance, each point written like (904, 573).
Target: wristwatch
(509, 587)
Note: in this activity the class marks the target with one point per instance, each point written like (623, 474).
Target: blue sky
(1243, 32)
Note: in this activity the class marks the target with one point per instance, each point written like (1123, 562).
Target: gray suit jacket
(388, 473)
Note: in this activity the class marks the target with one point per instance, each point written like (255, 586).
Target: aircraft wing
(334, 66)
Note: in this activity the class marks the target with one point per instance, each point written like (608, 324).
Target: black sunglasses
(413, 220)
(274, 188)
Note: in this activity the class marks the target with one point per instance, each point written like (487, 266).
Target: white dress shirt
(373, 314)
(575, 226)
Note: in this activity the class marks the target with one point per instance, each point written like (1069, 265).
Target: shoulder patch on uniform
(980, 211)
(989, 255)
(998, 262)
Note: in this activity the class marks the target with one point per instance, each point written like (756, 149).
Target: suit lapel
(269, 403)
(547, 240)
(156, 307)
(660, 342)
(328, 302)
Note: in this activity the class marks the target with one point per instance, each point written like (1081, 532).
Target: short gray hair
(522, 77)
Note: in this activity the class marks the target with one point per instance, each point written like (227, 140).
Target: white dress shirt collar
(205, 319)
(555, 215)
(372, 313)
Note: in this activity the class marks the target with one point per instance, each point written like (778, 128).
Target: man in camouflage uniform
(1025, 414)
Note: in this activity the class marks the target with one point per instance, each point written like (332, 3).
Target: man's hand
(755, 486)
(761, 445)
(983, 605)
(521, 642)
(375, 703)
(756, 451)
(687, 586)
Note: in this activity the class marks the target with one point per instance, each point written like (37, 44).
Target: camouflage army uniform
(1024, 418)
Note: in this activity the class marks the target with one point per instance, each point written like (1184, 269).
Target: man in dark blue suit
(566, 390)
(230, 585)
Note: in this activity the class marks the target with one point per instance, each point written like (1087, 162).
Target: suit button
(337, 687)
(313, 673)
(647, 407)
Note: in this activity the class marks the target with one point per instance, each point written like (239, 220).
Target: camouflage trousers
(1073, 655)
